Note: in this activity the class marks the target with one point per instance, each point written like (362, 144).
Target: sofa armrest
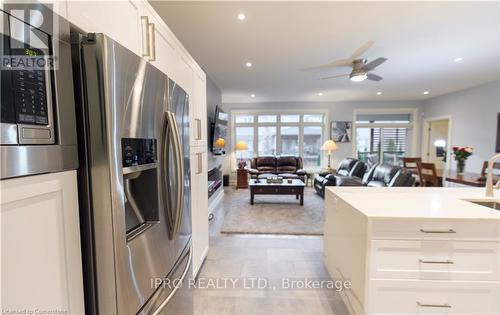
(253, 171)
(324, 173)
(300, 172)
(348, 181)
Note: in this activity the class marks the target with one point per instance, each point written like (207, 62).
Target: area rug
(272, 214)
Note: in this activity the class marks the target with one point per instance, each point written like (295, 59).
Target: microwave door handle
(166, 189)
(179, 174)
(176, 288)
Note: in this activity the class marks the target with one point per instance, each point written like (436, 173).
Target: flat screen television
(219, 132)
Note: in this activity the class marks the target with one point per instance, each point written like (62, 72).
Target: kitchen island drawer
(433, 297)
(435, 229)
(435, 260)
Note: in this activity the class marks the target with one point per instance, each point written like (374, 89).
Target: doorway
(437, 141)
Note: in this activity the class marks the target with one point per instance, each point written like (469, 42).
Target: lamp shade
(220, 143)
(241, 146)
(329, 145)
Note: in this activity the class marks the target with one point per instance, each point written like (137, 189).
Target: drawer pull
(446, 305)
(446, 262)
(450, 231)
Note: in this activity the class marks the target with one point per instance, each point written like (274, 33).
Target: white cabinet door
(199, 206)
(119, 20)
(433, 297)
(199, 109)
(40, 232)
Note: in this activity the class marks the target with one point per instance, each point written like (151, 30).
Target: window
(244, 119)
(290, 118)
(299, 134)
(289, 140)
(312, 146)
(383, 138)
(245, 134)
(267, 118)
(267, 140)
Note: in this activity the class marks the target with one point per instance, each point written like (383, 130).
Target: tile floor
(270, 257)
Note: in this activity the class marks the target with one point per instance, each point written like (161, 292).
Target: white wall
(341, 111)
(474, 119)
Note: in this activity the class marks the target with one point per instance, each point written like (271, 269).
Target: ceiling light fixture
(241, 17)
(320, 94)
(358, 77)
(458, 59)
(379, 93)
(248, 64)
(426, 92)
(252, 95)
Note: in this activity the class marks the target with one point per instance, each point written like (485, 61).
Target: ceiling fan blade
(375, 63)
(336, 63)
(335, 76)
(373, 77)
(361, 50)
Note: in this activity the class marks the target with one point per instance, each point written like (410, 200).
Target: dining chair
(484, 170)
(411, 164)
(428, 175)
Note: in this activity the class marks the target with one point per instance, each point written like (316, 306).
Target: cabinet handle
(198, 128)
(451, 231)
(447, 262)
(200, 163)
(145, 36)
(152, 42)
(445, 305)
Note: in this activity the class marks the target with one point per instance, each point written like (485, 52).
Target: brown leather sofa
(285, 166)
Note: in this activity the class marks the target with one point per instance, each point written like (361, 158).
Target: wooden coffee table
(296, 187)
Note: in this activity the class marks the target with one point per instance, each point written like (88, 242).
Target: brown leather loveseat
(285, 166)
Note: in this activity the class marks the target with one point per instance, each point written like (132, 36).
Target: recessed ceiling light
(379, 93)
(458, 59)
(426, 92)
(248, 64)
(242, 16)
(252, 95)
(320, 94)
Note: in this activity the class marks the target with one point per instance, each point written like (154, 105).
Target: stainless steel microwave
(37, 120)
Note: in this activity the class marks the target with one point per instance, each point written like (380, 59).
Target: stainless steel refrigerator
(134, 180)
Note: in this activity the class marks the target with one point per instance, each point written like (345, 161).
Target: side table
(241, 178)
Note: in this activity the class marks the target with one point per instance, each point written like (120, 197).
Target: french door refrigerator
(134, 180)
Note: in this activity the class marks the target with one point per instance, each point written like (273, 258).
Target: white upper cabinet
(117, 19)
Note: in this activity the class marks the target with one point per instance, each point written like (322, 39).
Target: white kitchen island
(413, 250)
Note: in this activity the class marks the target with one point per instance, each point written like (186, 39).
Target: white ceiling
(420, 39)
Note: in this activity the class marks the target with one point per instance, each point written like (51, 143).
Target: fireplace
(214, 180)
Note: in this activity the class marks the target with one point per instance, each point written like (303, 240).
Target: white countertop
(417, 202)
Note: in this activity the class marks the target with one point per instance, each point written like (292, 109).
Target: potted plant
(461, 154)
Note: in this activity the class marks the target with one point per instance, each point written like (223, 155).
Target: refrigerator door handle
(176, 288)
(166, 190)
(179, 173)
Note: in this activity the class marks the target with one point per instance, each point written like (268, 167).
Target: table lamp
(329, 146)
(241, 146)
(220, 143)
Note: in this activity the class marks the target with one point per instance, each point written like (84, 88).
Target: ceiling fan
(360, 66)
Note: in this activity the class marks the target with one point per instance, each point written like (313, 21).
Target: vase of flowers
(461, 154)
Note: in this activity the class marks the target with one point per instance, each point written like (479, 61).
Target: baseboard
(215, 201)
(204, 257)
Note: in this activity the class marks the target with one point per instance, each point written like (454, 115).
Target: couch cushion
(266, 163)
(287, 161)
(384, 173)
(288, 175)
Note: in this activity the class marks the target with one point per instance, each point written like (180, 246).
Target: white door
(40, 237)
